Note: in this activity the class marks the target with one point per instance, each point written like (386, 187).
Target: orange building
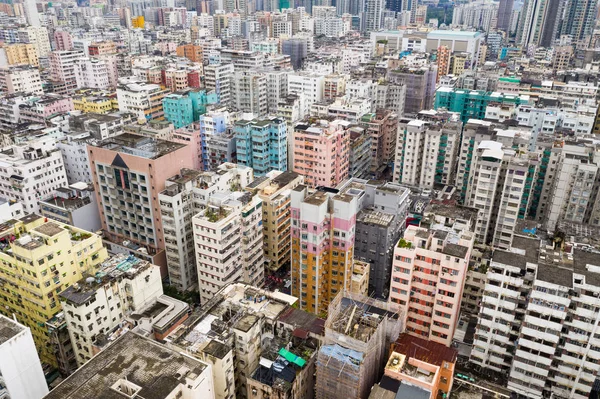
(138, 22)
(323, 225)
(443, 61)
(424, 368)
(191, 52)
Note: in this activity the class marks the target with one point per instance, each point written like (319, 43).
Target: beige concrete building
(22, 53)
(360, 277)
(274, 190)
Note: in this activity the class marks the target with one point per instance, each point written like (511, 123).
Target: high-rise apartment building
(262, 145)
(321, 152)
(92, 73)
(40, 259)
(538, 318)
(191, 52)
(36, 35)
(427, 149)
(323, 230)
(572, 194)
(380, 222)
(382, 126)
(249, 93)
(275, 194)
(22, 53)
(505, 9)
(539, 22)
(473, 103)
(579, 20)
(123, 284)
(21, 79)
(129, 172)
(218, 78)
(499, 185)
(308, 84)
(21, 372)
(228, 234)
(374, 15)
(63, 68)
(184, 195)
(32, 171)
(429, 270)
(143, 99)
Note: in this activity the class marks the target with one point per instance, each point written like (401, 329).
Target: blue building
(185, 107)
(262, 144)
(211, 124)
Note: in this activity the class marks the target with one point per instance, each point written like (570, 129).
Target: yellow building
(22, 54)
(137, 22)
(323, 225)
(275, 195)
(96, 103)
(38, 260)
(459, 61)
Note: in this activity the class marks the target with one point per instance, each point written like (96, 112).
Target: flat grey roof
(8, 329)
(142, 361)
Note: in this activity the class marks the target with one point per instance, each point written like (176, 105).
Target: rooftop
(140, 146)
(424, 350)
(373, 217)
(155, 368)
(49, 229)
(216, 349)
(120, 265)
(9, 329)
(68, 203)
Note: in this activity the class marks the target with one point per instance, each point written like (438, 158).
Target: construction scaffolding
(358, 334)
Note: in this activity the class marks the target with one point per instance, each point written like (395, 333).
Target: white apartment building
(426, 150)
(374, 15)
(571, 194)
(141, 98)
(539, 319)
(22, 79)
(331, 27)
(31, 171)
(311, 85)
(218, 78)
(93, 73)
(38, 36)
(497, 188)
(277, 88)
(184, 196)
(281, 28)
(249, 93)
(21, 374)
(98, 304)
(228, 235)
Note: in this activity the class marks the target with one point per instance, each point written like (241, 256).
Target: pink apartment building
(128, 172)
(40, 108)
(190, 136)
(321, 152)
(63, 40)
(429, 270)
